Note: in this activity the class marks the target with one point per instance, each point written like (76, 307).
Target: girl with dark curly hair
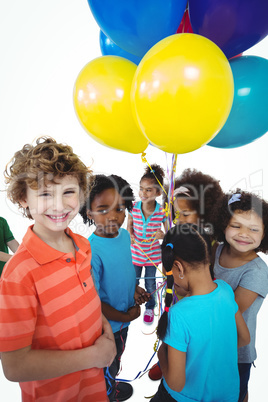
(241, 224)
(195, 194)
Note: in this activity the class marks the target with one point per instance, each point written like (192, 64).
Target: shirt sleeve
(8, 235)
(164, 217)
(97, 270)
(18, 313)
(177, 335)
(255, 278)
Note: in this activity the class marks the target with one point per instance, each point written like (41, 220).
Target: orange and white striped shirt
(48, 300)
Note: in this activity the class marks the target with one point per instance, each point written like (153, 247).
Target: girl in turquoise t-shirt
(200, 333)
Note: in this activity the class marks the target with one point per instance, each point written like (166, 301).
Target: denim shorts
(244, 373)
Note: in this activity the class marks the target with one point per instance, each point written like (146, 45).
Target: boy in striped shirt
(53, 338)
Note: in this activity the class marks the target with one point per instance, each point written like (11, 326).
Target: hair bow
(235, 198)
(181, 190)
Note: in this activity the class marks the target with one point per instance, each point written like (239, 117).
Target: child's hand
(106, 328)
(106, 350)
(134, 312)
(159, 234)
(141, 296)
(132, 239)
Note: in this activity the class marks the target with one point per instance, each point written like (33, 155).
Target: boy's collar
(42, 252)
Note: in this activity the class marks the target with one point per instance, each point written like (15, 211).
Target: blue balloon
(234, 25)
(109, 48)
(248, 119)
(136, 25)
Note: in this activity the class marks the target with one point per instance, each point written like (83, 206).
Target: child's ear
(179, 267)
(23, 203)
(89, 214)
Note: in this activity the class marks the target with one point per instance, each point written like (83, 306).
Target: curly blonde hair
(42, 163)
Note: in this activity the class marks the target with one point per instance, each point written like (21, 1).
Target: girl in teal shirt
(198, 356)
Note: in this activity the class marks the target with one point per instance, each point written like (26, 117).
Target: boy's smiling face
(107, 210)
(53, 205)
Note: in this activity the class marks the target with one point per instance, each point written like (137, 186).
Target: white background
(43, 47)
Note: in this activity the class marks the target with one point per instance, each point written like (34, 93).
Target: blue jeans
(150, 283)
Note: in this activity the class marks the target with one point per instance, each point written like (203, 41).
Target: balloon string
(144, 160)
(171, 189)
(151, 239)
(148, 258)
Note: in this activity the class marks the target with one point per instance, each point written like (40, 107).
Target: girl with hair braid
(200, 333)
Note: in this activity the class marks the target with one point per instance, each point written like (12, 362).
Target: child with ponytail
(200, 333)
(145, 227)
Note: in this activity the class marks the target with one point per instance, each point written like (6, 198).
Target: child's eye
(235, 226)
(103, 211)
(44, 195)
(254, 230)
(69, 192)
(120, 209)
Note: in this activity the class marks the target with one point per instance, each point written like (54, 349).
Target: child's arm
(160, 234)
(32, 365)
(130, 227)
(115, 315)
(165, 225)
(243, 336)
(244, 298)
(5, 256)
(172, 363)
(13, 245)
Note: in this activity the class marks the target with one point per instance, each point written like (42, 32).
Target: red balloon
(238, 55)
(185, 25)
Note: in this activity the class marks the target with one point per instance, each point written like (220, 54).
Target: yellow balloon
(182, 92)
(102, 103)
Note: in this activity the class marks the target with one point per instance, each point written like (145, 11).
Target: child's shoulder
(3, 221)
(20, 267)
(136, 206)
(224, 286)
(260, 263)
(123, 234)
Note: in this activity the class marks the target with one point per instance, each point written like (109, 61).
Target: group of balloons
(169, 76)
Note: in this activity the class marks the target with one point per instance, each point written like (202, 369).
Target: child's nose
(58, 203)
(243, 231)
(112, 216)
